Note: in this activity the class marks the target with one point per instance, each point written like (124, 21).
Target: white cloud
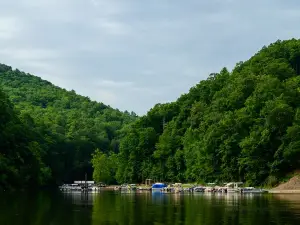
(114, 84)
(110, 26)
(107, 96)
(133, 54)
(94, 2)
(9, 27)
(28, 54)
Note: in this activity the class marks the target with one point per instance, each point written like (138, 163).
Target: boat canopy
(159, 185)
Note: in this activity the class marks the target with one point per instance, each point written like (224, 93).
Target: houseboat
(80, 186)
(233, 187)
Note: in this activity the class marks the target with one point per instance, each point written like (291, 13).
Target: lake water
(109, 207)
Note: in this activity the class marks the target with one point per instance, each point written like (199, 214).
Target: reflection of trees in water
(292, 198)
(20, 209)
(151, 208)
(80, 198)
(41, 209)
(290, 202)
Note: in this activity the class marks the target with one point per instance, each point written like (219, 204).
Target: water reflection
(148, 208)
(80, 198)
(291, 201)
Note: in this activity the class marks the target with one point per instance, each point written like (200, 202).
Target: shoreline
(269, 191)
(284, 191)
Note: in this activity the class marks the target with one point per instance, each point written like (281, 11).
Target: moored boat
(253, 190)
(158, 186)
(199, 189)
(233, 187)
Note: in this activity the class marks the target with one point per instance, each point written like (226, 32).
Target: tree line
(239, 125)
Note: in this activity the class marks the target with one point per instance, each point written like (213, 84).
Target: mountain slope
(241, 125)
(68, 127)
(20, 155)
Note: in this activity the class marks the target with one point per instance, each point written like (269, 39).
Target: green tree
(104, 167)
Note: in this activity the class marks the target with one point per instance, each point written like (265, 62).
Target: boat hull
(156, 189)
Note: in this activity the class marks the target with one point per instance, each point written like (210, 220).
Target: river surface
(109, 207)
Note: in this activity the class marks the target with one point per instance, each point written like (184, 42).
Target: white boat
(233, 187)
(70, 187)
(125, 187)
(199, 189)
(78, 188)
(252, 190)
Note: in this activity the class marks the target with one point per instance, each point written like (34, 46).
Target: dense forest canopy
(242, 125)
(239, 125)
(47, 134)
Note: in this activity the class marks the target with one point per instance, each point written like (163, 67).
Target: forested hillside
(242, 125)
(239, 125)
(47, 134)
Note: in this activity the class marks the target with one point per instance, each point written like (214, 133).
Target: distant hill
(240, 125)
(68, 127)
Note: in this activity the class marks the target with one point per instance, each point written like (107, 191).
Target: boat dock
(232, 187)
(80, 186)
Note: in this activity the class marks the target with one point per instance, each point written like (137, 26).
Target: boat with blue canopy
(158, 186)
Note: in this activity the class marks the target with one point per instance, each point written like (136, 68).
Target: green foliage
(241, 125)
(104, 167)
(47, 134)
(20, 156)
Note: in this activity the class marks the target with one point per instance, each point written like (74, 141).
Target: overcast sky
(131, 54)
